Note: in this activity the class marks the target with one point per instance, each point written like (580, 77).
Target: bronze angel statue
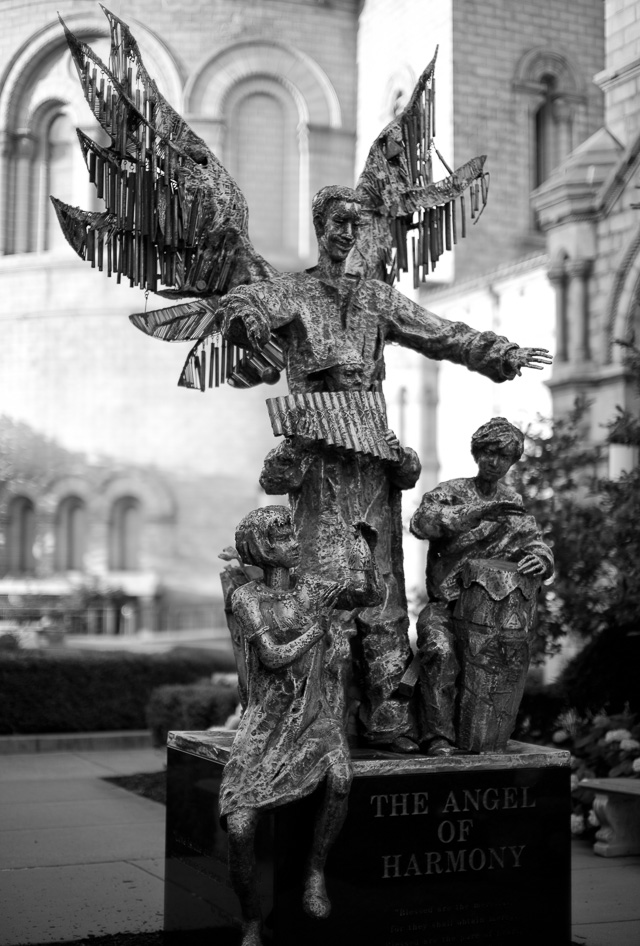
(176, 224)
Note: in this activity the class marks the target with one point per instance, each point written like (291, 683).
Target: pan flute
(353, 420)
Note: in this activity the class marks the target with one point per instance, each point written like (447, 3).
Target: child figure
(486, 561)
(291, 737)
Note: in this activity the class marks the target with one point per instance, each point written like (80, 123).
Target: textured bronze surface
(175, 221)
(291, 738)
(485, 564)
(215, 744)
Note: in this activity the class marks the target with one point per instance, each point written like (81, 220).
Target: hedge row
(188, 707)
(75, 691)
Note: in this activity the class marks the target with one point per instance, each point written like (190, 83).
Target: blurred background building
(115, 481)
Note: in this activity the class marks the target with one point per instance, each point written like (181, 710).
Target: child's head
(259, 533)
(498, 433)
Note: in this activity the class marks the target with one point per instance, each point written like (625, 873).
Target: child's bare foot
(251, 934)
(315, 901)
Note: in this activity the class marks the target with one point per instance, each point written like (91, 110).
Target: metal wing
(399, 195)
(176, 223)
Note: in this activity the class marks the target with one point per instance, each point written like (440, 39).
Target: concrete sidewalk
(80, 857)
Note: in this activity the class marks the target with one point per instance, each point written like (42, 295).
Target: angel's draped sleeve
(412, 326)
(251, 313)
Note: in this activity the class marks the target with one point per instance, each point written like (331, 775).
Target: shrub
(604, 674)
(601, 746)
(88, 691)
(189, 706)
(538, 713)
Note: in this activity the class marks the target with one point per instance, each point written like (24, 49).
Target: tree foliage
(593, 525)
(557, 478)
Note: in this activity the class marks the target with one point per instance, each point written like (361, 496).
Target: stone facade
(513, 81)
(589, 211)
(271, 85)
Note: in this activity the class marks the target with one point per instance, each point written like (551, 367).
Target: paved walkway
(80, 857)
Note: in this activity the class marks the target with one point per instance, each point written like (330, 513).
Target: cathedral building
(289, 94)
(271, 86)
(588, 209)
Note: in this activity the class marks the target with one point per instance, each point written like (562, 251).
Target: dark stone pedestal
(467, 849)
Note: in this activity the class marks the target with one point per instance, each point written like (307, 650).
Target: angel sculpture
(176, 224)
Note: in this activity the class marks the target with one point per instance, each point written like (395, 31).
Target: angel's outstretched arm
(414, 327)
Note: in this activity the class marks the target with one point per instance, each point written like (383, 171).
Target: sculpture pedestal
(467, 849)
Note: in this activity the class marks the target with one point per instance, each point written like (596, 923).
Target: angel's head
(336, 218)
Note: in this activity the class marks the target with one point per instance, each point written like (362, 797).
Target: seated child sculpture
(485, 564)
(291, 737)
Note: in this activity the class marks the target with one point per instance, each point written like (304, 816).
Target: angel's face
(340, 229)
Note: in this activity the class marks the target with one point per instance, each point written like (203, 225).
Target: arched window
(70, 534)
(124, 534)
(41, 155)
(263, 156)
(21, 536)
(546, 139)
(552, 95)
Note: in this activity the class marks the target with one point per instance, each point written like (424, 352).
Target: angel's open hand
(518, 358)
(256, 328)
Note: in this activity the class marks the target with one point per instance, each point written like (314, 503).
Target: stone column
(24, 193)
(109, 620)
(578, 271)
(558, 278)
(146, 613)
(429, 371)
(6, 192)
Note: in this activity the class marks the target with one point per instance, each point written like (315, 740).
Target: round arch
(63, 487)
(17, 489)
(154, 495)
(41, 75)
(208, 86)
(210, 92)
(539, 62)
(48, 43)
(623, 300)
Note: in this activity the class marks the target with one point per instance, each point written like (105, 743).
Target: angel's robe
(318, 320)
(319, 323)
